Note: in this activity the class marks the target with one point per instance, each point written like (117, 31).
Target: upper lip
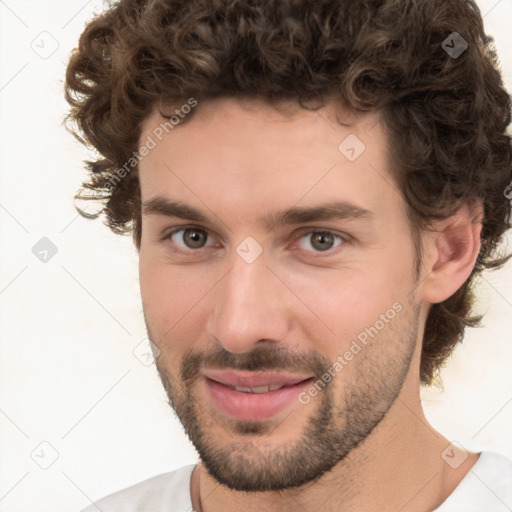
(252, 379)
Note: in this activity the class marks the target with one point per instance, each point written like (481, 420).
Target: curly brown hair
(447, 114)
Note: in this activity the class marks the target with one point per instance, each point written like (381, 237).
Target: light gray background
(69, 378)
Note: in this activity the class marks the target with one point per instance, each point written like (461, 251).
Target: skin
(363, 442)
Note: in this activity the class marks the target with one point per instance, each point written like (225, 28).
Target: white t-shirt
(486, 488)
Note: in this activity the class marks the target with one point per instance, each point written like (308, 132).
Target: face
(276, 272)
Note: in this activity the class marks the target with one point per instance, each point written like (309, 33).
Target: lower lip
(253, 406)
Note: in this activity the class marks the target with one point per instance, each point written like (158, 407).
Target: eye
(192, 238)
(320, 241)
(188, 237)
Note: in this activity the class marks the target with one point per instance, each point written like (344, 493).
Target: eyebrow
(336, 210)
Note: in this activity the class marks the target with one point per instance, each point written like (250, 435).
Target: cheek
(163, 292)
(348, 302)
(347, 308)
(171, 297)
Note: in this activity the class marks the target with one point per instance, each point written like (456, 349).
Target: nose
(251, 307)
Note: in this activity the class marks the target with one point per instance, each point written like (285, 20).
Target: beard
(239, 454)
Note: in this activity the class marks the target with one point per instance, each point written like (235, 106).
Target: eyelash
(329, 252)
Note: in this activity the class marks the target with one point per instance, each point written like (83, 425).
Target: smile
(252, 396)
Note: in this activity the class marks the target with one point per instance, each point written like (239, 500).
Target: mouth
(253, 396)
(256, 389)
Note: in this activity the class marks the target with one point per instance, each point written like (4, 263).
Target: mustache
(261, 358)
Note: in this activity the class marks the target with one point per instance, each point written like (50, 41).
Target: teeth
(243, 390)
(258, 389)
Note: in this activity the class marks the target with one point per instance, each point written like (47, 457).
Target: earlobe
(452, 252)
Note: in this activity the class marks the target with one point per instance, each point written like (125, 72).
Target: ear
(451, 251)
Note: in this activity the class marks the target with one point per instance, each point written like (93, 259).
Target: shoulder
(487, 486)
(168, 492)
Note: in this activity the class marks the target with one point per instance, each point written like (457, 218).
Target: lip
(252, 406)
(253, 379)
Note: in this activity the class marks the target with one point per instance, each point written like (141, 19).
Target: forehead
(260, 121)
(252, 156)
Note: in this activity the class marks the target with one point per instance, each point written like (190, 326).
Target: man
(313, 189)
